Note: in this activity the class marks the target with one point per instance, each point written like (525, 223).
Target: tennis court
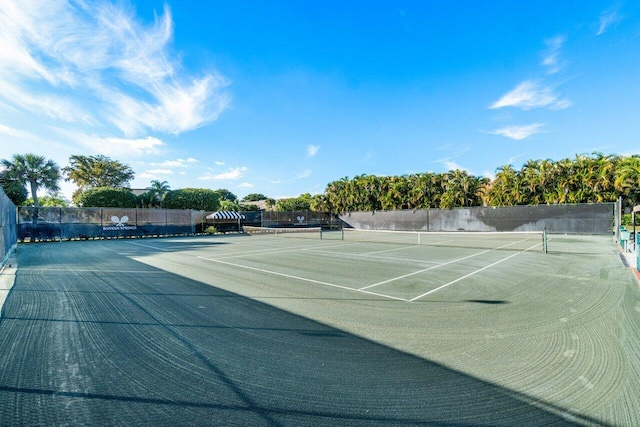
(322, 329)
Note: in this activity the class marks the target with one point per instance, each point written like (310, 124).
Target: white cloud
(305, 174)
(519, 132)
(16, 133)
(449, 165)
(528, 95)
(312, 150)
(550, 60)
(246, 185)
(97, 64)
(490, 175)
(218, 163)
(110, 146)
(159, 172)
(607, 18)
(179, 163)
(231, 174)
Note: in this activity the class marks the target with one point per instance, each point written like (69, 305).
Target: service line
(471, 274)
(304, 279)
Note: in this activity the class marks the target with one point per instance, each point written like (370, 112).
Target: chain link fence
(8, 232)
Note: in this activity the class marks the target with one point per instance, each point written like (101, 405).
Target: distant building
(262, 204)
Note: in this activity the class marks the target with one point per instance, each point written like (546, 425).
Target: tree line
(102, 182)
(586, 178)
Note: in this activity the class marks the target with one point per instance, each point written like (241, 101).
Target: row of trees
(101, 182)
(583, 179)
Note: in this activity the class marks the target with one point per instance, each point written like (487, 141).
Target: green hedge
(192, 198)
(107, 197)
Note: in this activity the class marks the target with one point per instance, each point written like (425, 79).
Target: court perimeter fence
(57, 223)
(8, 232)
(592, 218)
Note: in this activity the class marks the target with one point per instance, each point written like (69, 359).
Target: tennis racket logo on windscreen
(120, 222)
(300, 220)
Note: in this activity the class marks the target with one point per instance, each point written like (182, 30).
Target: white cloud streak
(305, 174)
(312, 150)
(179, 163)
(111, 146)
(608, 18)
(231, 174)
(529, 95)
(160, 172)
(451, 166)
(95, 63)
(519, 132)
(551, 58)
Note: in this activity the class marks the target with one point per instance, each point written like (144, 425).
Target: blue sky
(283, 97)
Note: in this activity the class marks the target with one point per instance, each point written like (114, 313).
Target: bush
(192, 198)
(628, 218)
(210, 230)
(107, 197)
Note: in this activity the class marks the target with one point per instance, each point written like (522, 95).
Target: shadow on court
(107, 347)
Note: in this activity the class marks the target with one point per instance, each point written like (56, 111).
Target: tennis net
(498, 240)
(287, 232)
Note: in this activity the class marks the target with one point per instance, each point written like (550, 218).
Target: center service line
(470, 274)
(289, 276)
(442, 265)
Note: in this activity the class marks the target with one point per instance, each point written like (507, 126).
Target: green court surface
(266, 330)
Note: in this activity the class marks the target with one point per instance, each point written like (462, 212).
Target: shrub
(107, 197)
(192, 198)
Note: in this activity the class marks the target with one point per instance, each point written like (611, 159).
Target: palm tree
(501, 191)
(628, 179)
(462, 190)
(159, 189)
(35, 171)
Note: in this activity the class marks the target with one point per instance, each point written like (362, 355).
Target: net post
(545, 247)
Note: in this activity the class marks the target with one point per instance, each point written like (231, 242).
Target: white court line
(304, 279)
(388, 250)
(471, 274)
(271, 251)
(423, 270)
(149, 246)
(256, 252)
(343, 255)
(446, 263)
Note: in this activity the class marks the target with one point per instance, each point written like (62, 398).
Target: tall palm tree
(501, 191)
(159, 189)
(35, 171)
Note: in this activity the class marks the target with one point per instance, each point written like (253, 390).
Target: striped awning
(225, 215)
